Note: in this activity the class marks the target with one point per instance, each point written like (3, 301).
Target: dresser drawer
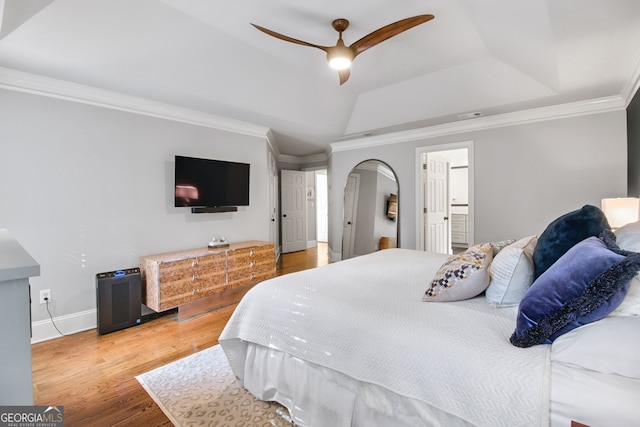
(188, 279)
(458, 227)
(458, 237)
(250, 265)
(458, 223)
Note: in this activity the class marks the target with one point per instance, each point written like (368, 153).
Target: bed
(363, 342)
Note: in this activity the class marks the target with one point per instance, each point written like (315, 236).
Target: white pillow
(630, 305)
(609, 346)
(628, 237)
(512, 272)
(462, 276)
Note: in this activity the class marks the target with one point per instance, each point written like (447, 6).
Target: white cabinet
(459, 230)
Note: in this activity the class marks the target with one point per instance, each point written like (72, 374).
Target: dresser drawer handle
(253, 276)
(251, 253)
(194, 263)
(195, 291)
(252, 264)
(194, 277)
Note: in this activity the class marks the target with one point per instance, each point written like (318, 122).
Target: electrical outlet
(45, 296)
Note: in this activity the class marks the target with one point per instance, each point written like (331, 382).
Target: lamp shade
(620, 211)
(340, 57)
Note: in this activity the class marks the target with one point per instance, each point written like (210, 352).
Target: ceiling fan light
(340, 57)
(339, 63)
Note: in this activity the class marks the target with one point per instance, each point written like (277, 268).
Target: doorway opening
(304, 209)
(322, 206)
(444, 189)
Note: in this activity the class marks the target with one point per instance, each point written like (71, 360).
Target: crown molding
(272, 144)
(54, 88)
(574, 109)
(632, 83)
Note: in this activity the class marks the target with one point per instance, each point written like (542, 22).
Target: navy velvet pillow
(564, 232)
(584, 285)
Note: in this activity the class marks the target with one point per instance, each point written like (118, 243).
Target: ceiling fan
(340, 56)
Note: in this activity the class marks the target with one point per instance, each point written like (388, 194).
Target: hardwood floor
(296, 261)
(93, 376)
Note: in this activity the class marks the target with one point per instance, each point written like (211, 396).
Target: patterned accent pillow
(462, 276)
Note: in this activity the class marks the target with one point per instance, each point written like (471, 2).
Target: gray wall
(87, 189)
(525, 175)
(384, 227)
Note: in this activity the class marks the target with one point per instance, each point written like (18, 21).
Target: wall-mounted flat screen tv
(210, 183)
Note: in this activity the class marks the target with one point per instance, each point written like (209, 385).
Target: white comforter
(365, 318)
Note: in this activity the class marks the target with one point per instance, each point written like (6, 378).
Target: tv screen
(210, 183)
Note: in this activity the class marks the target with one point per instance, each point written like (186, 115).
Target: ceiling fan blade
(388, 31)
(289, 39)
(344, 75)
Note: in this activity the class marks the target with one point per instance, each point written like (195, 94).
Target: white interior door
(350, 214)
(294, 210)
(458, 154)
(436, 196)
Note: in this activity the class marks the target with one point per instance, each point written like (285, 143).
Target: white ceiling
(492, 56)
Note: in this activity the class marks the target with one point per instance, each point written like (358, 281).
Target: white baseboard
(44, 330)
(312, 244)
(334, 256)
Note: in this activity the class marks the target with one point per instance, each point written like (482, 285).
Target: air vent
(470, 115)
(354, 136)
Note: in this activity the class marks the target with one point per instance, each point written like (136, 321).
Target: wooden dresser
(200, 280)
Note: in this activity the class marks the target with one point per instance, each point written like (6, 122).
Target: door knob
(446, 218)
(285, 215)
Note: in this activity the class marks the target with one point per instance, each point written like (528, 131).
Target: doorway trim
(420, 151)
(322, 206)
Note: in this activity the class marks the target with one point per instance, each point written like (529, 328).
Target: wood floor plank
(93, 376)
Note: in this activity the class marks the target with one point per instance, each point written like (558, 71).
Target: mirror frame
(385, 165)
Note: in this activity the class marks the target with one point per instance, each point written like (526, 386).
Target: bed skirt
(318, 396)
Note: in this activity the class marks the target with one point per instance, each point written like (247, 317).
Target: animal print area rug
(201, 390)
